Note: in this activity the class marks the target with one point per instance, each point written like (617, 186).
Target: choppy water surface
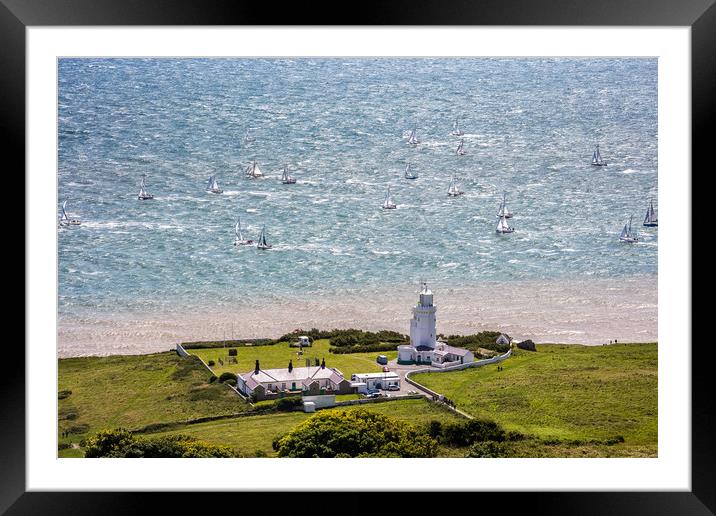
(341, 125)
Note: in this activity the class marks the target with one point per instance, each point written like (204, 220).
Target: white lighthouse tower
(424, 347)
(422, 325)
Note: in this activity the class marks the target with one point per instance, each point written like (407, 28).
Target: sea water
(341, 126)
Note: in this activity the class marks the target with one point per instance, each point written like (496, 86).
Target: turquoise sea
(341, 126)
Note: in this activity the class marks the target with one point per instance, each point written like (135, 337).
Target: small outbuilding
(502, 339)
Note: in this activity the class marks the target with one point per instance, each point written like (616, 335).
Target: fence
(183, 353)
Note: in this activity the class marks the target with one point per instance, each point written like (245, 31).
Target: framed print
(416, 247)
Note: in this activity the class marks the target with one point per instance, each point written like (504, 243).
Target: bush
(63, 446)
(488, 449)
(212, 378)
(354, 433)
(288, 404)
(211, 363)
(372, 348)
(484, 339)
(121, 443)
(227, 343)
(474, 430)
(435, 429)
(82, 428)
(231, 382)
(232, 352)
(228, 376)
(63, 394)
(259, 453)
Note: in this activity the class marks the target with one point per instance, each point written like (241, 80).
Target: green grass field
(562, 397)
(564, 392)
(133, 391)
(278, 355)
(249, 435)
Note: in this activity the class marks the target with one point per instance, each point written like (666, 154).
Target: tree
(120, 443)
(354, 433)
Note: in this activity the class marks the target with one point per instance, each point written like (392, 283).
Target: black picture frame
(17, 15)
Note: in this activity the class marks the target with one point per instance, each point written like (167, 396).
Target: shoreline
(589, 311)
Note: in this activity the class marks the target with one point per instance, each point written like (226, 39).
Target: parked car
(382, 359)
(373, 395)
(393, 388)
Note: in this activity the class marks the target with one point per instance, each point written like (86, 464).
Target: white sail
(625, 232)
(237, 229)
(412, 139)
(454, 188)
(388, 202)
(503, 226)
(253, 170)
(650, 217)
(597, 157)
(456, 128)
(460, 151)
(409, 173)
(64, 212)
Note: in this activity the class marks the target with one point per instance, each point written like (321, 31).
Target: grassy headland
(132, 391)
(564, 393)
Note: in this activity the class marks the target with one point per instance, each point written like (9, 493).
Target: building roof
(377, 376)
(298, 374)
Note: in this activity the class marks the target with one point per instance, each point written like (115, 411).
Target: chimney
(290, 366)
(323, 364)
(256, 370)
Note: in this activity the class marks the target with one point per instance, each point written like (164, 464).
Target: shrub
(212, 378)
(372, 348)
(121, 443)
(211, 363)
(288, 404)
(227, 376)
(82, 428)
(259, 453)
(354, 433)
(63, 394)
(488, 449)
(474, 430)
(435, 429)
(63, 446)
(484, 339)
(231, 382)
(232, 352)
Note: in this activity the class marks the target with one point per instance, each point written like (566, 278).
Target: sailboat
(503, 227)
(412, 140)
(454, 189)
(65, 220)
(650, 219)
(239, 237)
(143, 195)
(504, 211)
(248, 138)
(627, 235)
(213, 186)
(262, 240)
(409, 174)
(597, 158)
(286, 178)
(388, 203)
(456, 131)
(253, 171)
(460, 151)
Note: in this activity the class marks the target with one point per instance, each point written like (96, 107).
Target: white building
(272, 383)
(424, 347)
(365, 382)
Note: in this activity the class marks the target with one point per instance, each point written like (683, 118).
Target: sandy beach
(589, 311)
